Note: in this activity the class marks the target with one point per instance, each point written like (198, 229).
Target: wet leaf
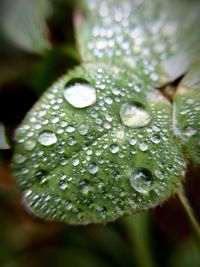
(187, 113)
(86, 164)
(99, 144)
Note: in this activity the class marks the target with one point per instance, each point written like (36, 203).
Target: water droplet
(120, 134)
(63, 161)
(108, 100)
(75, 162)
(141, 180)
(143, 147)
(83, 129)
(134, 115)
(155, 139)
(93, 168)
(41, 176)
(132, 141)
(47, 138)
(79, 93)
(29, 145)
(159, 174)
(19, 158)
(70, 129)
(63, 186)
(86, 189)
(114, 149)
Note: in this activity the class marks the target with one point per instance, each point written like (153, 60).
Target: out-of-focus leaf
(186, 255)
(157, 38)
(187, 113)
(24, 23)
(3, 139)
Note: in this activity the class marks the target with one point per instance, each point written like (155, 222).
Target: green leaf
(24, 23)
(83, 165)
(187, 113)
(100, 144)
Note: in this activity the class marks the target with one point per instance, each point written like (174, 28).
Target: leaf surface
(99, 144)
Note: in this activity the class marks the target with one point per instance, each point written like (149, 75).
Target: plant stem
(186, 205)
(138, 230)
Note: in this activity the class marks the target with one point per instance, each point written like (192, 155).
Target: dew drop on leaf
(93, 168)
(134, 115)
(114, 149)
(79, 93)
(143, 147)
(47, 138)
(19, 158)
(29, 145)
(83, 129)
(141, 180)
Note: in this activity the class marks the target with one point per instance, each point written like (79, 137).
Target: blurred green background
(37, 45)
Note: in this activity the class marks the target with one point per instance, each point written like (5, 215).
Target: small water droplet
(75, 162)
(143, 147)
(93, 168)
(63, 186)
(29, 145)
(159, 174)
(47, 138)
(108, 100)
(114, 149)
(79, 93)
(83, 129)
(141, 180)
(70, 129)
(41, 176)
(63, 161)
(134, 115)
(132, 141)
(19, 158)
(155, 139)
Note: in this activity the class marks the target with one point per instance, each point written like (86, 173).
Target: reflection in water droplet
(141, 180)
(79, 93)
(47, 138)
(134, 115)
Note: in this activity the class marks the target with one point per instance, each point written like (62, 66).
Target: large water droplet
(134, 115)
(79, 93)
(141, 180)
(47, 138)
